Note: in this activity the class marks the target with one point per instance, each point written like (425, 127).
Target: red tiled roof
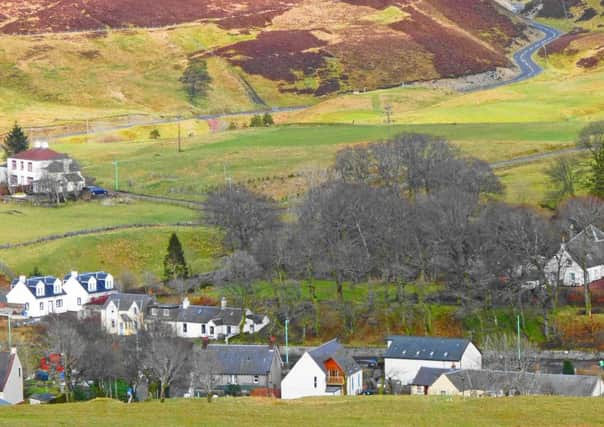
(38, 154)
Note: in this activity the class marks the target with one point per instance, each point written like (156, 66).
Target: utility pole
(286, 342)
(178, 141)
(116, 177)
(518, 337)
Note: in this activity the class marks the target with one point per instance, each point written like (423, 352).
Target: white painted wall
(570, 272)
(13, 390)
(36, 307)
(300, 381)
(354, 383)
(405, 370)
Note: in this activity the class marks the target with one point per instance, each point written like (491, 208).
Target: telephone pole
(116, 178)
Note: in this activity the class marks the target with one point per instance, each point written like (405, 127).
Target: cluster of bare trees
(154, 356)
(408, 210)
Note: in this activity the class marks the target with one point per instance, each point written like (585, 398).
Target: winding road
(524, 58)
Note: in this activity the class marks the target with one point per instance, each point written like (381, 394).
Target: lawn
(133, 251)
(370, 410)
(276, 160)
(23, 222)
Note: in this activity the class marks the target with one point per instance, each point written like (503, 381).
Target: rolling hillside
(114, 56)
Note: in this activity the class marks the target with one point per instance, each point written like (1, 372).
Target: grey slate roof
(426, 376)
(426, 348)
(243, 359)
(587, 247)
(125, 301)
(334, 350)
(203, 314)
(525, 382)
(55, 167)
(73, 177)
(6, 362)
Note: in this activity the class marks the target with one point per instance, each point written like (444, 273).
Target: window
(569, 262)
(233, 379)
(19, 372)
(92, 286)
(203, 329)
(40, 290)
(315, 382)
(30, 167)
(252, 328)
(59, 303)
(154, 311)
(572, 277)
(229, 330)
(166, 312)
(135, 310)
(41, 306)
(79, 301)
(211, 330)
(21, 165)
(256, 379)
(57, 288)
(184, 328)
(112, 323)
(108, 284)
(14, 165)
(30, 180)
(26, 306)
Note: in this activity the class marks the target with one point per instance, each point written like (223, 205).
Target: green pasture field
(275, 155)
(337, 411)
(134, 251)
(21, 222)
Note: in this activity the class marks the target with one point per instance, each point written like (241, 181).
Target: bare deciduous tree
(167, 356)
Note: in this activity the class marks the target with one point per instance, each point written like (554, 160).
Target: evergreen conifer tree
(175, 265)
(16, 141)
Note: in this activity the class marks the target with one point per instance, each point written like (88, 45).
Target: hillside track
(524, 58)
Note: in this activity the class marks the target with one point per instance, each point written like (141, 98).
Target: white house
(124, 314)
(324, 371)
(11, 377)
(39, 295)
(84, 288)
(29, 168)
(196, 321)
(405, 356)
(582, 254)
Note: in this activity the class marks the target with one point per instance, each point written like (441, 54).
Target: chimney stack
(22, 279)
(223, 303)
(271, 342)
(185, 303)
(74, 274)
(13, 350)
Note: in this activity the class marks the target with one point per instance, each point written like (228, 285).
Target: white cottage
(196, 321)
(581, 256)
(39, 295)
(405, 356)
(324, 371)
(124, 314)
(11, 377)
(87, 287)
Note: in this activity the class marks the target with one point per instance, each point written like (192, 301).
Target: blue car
(97, 191)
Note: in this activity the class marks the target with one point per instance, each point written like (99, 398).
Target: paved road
(524, 58)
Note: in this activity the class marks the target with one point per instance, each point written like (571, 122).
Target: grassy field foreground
(372, 411)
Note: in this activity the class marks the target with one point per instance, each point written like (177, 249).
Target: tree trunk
(162, 391)
(587, 296)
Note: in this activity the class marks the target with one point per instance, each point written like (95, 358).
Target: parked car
(93, 191)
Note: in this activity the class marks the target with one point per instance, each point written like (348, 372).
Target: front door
(50, 310)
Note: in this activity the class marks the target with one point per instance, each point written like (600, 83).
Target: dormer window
(40, 290)
(57, 288)
(91, 286)
(569, 262)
